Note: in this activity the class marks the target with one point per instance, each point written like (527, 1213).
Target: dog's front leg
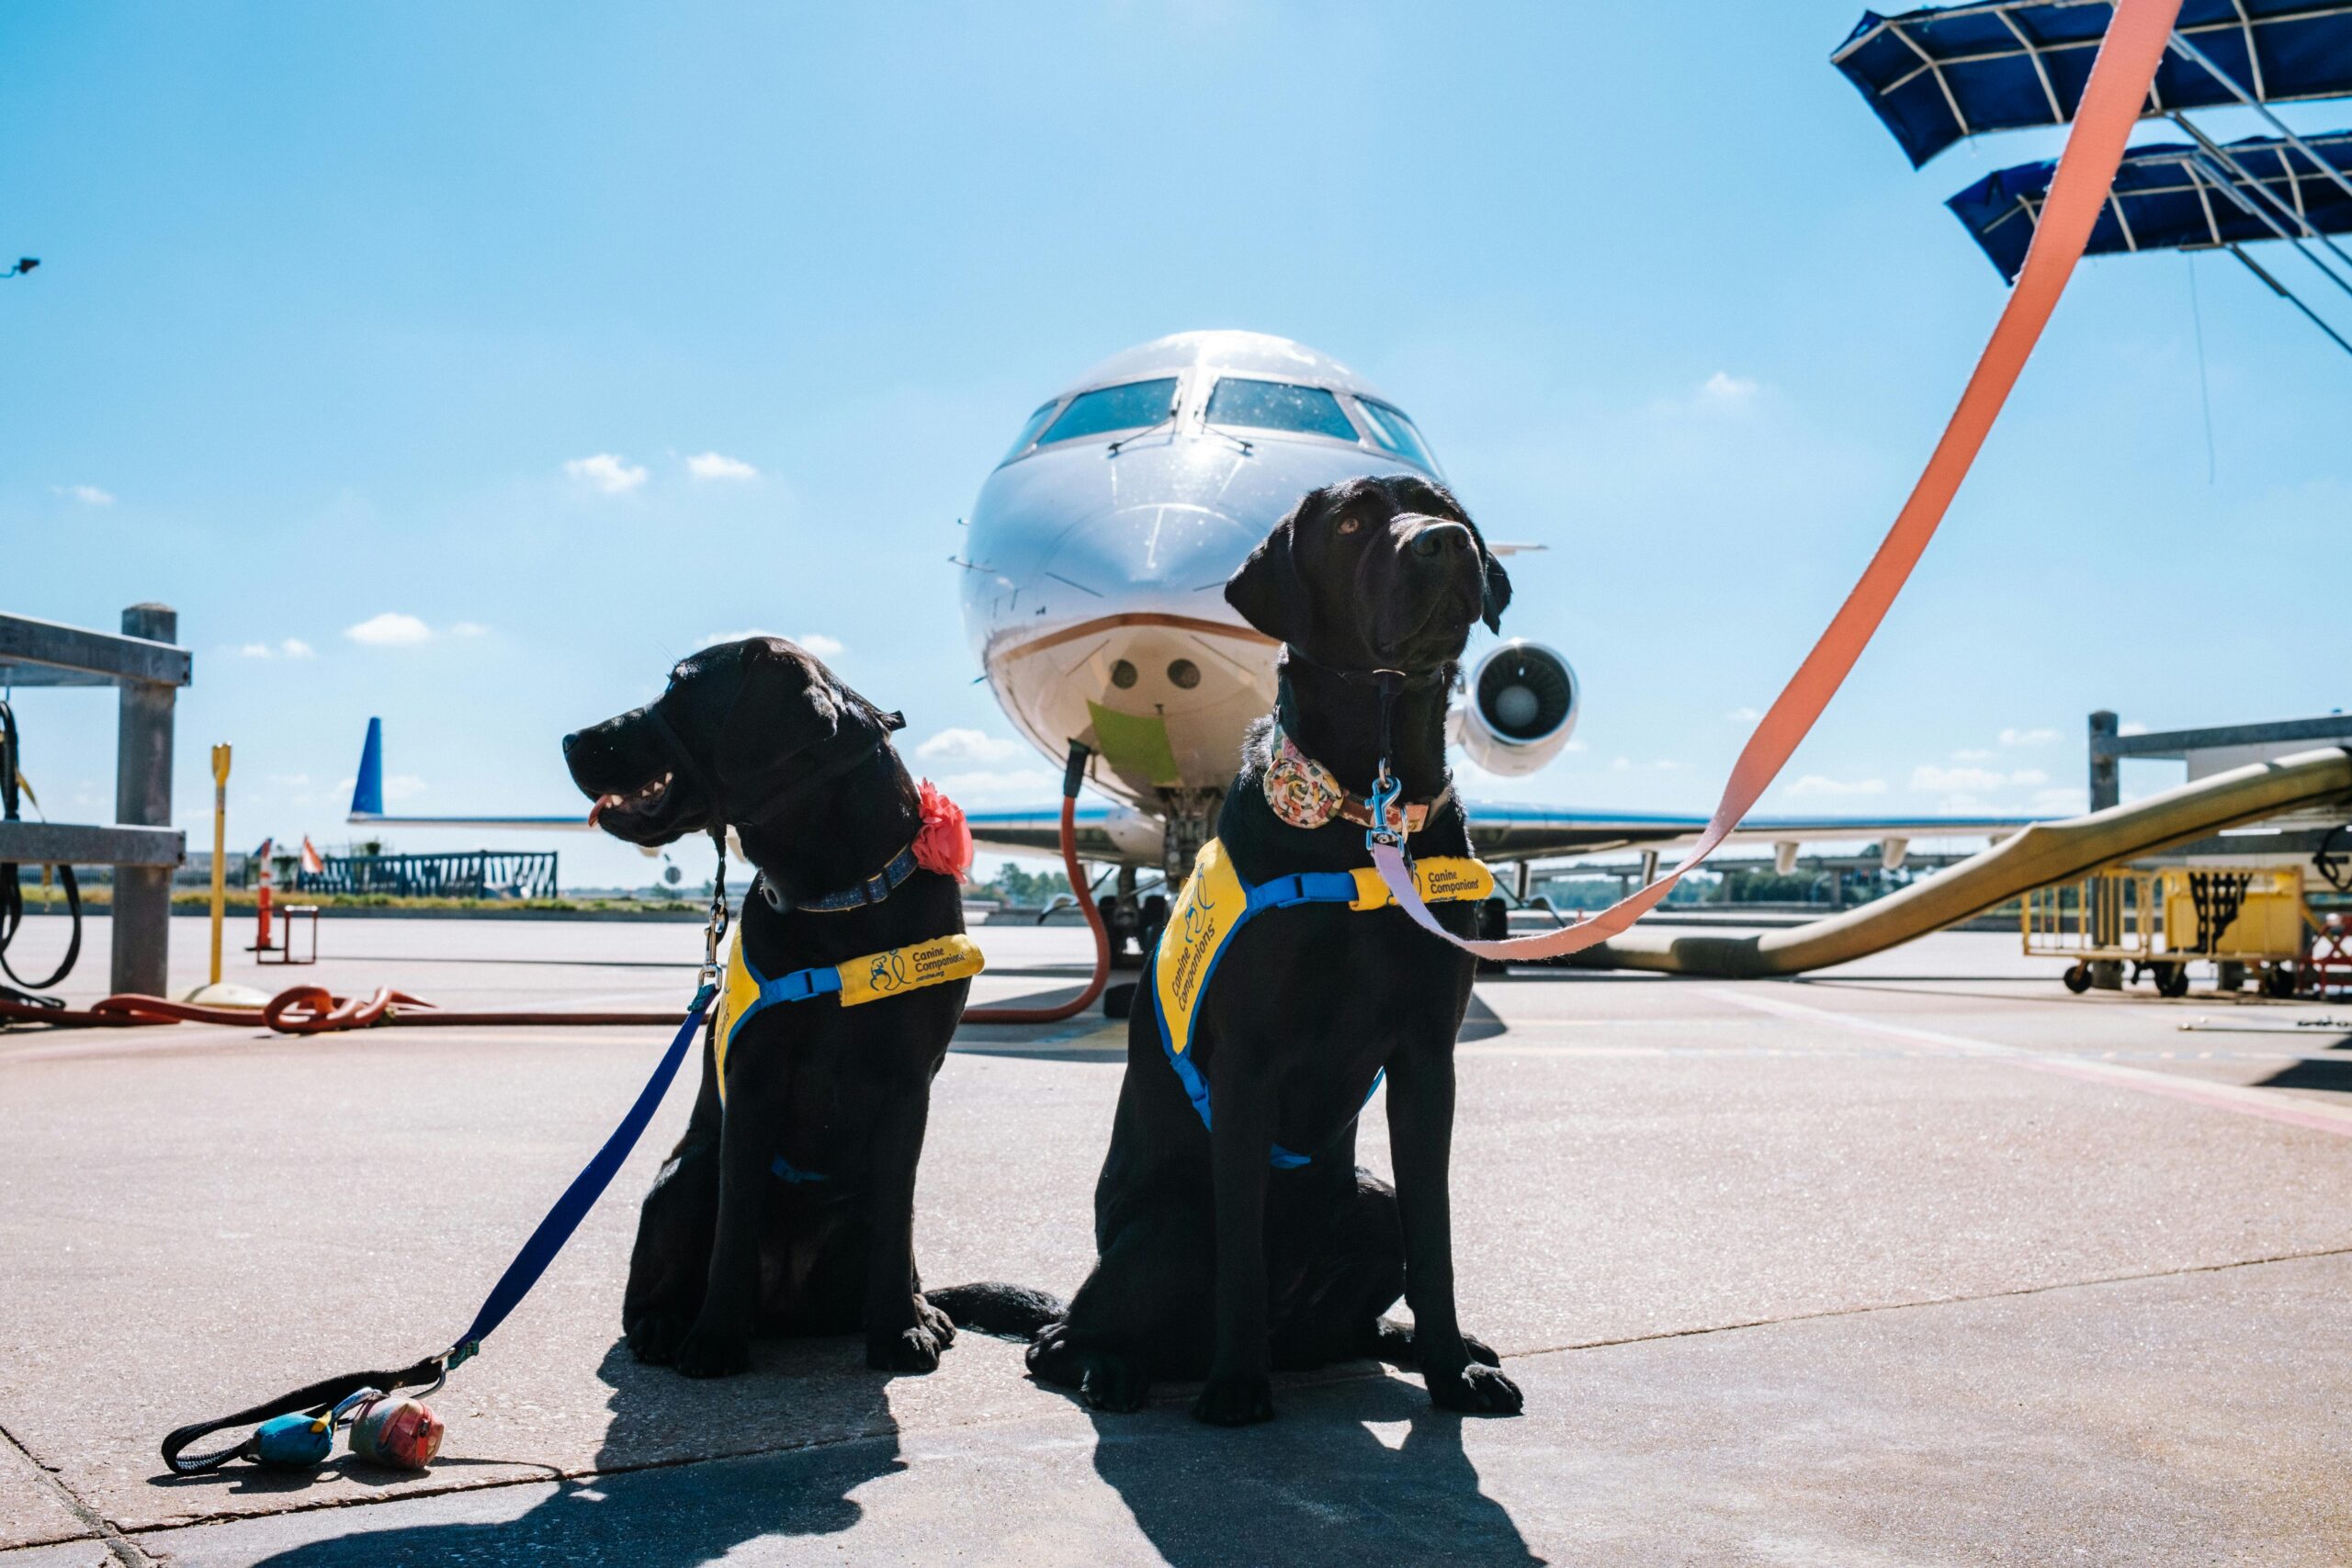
(1240, 1386)
(719, 1343)
(1421, 1136)
(903, 1332)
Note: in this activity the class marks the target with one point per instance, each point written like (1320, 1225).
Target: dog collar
(1306, 794)
(871, 890)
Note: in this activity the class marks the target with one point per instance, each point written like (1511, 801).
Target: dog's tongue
(598, 809)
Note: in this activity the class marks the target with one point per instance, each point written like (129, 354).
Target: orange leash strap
(2112, 105)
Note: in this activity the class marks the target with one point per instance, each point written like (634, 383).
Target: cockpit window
(1392, 431)
(1278, 405)
(1036, 422)
(1132, 407)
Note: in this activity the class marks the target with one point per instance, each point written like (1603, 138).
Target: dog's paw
(941, 1326)
(1394, 1343)
(707, 1353)
(1236, 1400)
(1115, 1384)
(655, 1338)
(1474, 1390)
(912, 1350)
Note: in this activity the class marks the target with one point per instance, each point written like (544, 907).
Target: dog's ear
(782, 709)
(1267, 587)
(1497, 595)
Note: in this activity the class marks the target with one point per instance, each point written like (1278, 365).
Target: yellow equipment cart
(2242, 918)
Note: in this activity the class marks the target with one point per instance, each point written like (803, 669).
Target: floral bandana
(1306, 794)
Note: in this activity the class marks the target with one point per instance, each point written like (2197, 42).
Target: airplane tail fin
(367, 790)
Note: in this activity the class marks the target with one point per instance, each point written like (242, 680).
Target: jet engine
(1519, 710)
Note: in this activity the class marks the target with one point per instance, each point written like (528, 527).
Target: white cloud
(402, 786)
(818, 643)
(1934, 778)
(2061, 802)
(715, 466)
(1724, 390)
(468, 628)
(255, 650)
(968, 746)
(295, 647)
(2131, 726)
(1822, 784)
(2028, 776)
(607, 472)
(88, 495)
(1742, 716)
(389, 629)
(2028, 737)
(1972, 754)
(1008, 787)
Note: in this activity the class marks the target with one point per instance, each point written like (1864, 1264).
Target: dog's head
(752, 721)
(1373, 574)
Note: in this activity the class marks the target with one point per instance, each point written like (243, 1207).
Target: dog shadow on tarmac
(1356, 1472)
(653, 1503)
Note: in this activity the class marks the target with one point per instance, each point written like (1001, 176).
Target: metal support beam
(67, 844)
(142, 797)
(2174, 744)
(2106, 787)
(45, 653)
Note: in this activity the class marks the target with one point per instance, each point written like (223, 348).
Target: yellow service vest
(1216, 903)
(873, 978)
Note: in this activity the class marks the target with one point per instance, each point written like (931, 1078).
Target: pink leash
(2111, 104)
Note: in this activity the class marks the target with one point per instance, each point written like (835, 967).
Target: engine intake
(1521, 708)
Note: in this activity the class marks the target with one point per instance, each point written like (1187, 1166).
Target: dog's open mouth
(642, 801)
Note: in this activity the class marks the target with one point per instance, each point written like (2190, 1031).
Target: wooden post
(142, 796)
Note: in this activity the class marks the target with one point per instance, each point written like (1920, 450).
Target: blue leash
(580, 1196)
(319, 1399)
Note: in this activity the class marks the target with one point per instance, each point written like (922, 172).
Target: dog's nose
(567, 741)
(1437, 538)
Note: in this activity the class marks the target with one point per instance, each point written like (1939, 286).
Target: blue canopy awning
(1948, 72)
(2175, 196)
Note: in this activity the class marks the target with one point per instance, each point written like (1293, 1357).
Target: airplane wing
(1502, 832)
(367, 801)
(1105, 834)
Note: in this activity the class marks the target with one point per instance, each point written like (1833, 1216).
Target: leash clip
(1383, 798)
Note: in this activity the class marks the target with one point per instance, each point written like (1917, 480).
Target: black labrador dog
(790, 1209)
(1211, 1263)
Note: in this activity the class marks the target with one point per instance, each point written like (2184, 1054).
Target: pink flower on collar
(944, 844)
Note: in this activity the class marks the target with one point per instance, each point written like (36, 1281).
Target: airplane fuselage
(1095, 563)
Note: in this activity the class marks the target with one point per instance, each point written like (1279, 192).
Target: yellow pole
(219, 849)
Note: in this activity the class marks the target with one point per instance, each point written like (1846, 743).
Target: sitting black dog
(1222, 1254)
(787, 1208)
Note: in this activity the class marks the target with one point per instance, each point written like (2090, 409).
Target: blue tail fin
(367, 791)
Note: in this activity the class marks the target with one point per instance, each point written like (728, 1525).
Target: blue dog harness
(1216, 903)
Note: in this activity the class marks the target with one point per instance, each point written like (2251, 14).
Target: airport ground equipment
(2236, 917)
(139, 844)
(285, 946)
(2044, 853)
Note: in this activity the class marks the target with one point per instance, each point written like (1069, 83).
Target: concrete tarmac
(1921, 1260)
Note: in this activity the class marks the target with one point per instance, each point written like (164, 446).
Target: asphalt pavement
(1921, 1260)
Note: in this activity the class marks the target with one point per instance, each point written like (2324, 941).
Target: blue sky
(383, 342)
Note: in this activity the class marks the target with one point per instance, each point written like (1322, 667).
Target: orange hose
(1085, 999)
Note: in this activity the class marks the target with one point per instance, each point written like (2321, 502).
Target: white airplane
(1093, 596)
(1095, 569)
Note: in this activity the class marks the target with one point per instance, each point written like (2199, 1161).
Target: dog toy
(400, 1432)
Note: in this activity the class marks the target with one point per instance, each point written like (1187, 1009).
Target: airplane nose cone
(1175, 549)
